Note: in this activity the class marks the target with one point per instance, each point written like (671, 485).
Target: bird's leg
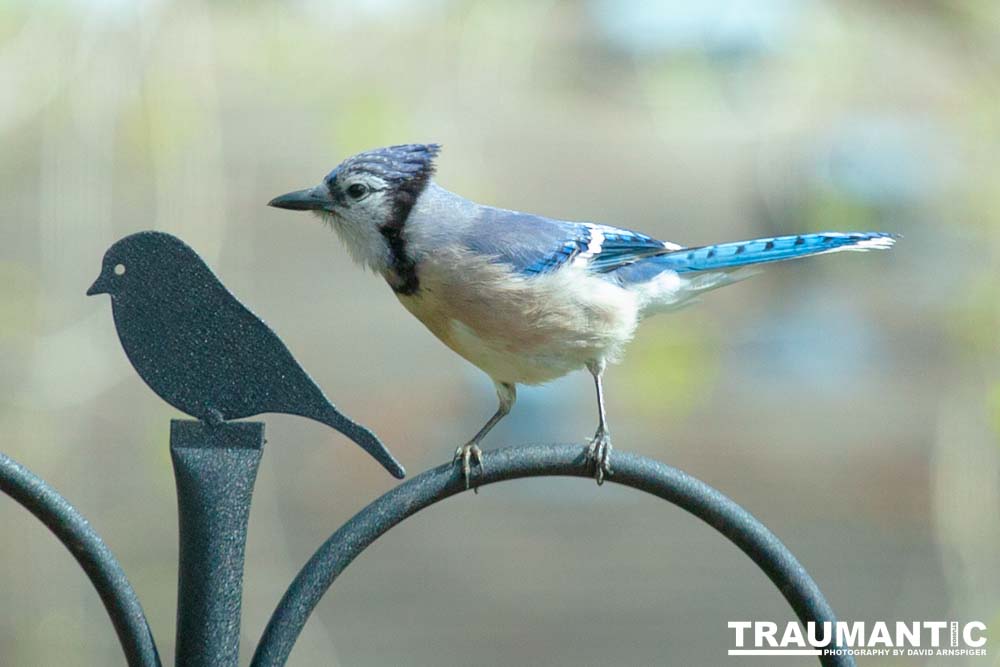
(469, 452)
(599, 451)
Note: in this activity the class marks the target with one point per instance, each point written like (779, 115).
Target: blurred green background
(852, 402)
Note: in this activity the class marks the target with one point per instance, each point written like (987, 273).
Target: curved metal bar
(93, 555)
(659, 479)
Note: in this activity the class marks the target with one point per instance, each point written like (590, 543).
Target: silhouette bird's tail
(365, 439)
(773, 249)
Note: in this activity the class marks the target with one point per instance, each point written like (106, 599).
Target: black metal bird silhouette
(202, 350)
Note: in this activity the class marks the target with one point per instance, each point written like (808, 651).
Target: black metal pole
(659, 479)
(215, 468)
(93, 555)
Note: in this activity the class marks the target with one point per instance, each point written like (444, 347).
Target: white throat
(365, 243)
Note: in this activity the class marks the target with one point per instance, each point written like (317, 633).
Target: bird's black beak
(99, 287)
(312, 199)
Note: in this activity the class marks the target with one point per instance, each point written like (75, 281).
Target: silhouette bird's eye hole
(357, 190)
(119, 269)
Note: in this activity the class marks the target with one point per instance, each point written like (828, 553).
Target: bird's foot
(467, 454)
(599, 456)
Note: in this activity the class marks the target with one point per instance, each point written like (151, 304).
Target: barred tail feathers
(772, 249)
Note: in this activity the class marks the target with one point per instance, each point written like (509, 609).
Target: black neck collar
(401, 263)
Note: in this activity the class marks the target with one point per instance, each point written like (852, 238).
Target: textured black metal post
(91, 553)
(215, 467)
(659, 479)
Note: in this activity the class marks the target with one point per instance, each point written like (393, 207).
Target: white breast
(522, 329)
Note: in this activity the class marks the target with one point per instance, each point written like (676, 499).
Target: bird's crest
(408, 166)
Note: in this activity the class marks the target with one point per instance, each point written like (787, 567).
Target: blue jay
(525, 298)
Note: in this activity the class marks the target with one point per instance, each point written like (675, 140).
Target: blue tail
(773, 249)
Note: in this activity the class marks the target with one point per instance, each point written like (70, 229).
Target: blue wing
(535, 245)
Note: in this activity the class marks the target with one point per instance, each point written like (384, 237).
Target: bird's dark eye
(357, 190)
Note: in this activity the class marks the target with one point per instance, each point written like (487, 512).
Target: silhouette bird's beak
(99, 287)
(311, 199)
